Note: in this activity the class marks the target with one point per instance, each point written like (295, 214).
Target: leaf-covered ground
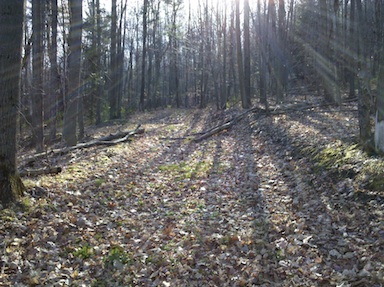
(263, 204)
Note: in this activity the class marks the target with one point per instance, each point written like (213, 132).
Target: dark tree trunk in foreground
(364, 78)
(74, 60)
(11, 34)
(379, 123)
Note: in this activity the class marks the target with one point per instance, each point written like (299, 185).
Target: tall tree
(247, 57)
(113, 96)
(54, 70)
(144, 58)
(240, 65)
(174, 49)
(379, 122)
(74, 66)
(37, 66)
(99, 84)
(262, 42)
(11, 35)
(281, 55)
(364, 113)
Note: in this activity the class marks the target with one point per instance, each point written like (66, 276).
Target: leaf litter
(243, 208)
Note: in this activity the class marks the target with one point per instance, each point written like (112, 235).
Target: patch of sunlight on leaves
(84, 252)
(187, 170)
(29, 183)
(99, 182)
(26, 203)
(8, 214)
(172, 128)
(349, 161)
(118, 256)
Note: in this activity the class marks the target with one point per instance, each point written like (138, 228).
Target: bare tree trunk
(99, 85)
(379, 122)
(37, 83)
(281, 57)
(247, 58)
(11, 35)
(54, 72)
(351, 71)
(74, 65)
(364, 78)
(143, 60)
(113, 65)
(224, 85)
(262, 58)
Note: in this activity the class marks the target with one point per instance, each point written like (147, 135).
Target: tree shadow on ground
(341, 231)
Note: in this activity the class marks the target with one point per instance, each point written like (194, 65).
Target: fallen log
(36, 172)
(109, 140)
(214, 130)
(106, 140)
(224, 126)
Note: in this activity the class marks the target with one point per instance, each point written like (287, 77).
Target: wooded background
(86, 62)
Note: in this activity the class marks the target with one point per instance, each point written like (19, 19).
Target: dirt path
(238, 209)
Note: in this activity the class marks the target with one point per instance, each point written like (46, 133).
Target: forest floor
(276, 200)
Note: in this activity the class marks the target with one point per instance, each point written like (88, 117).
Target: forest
(192, 143)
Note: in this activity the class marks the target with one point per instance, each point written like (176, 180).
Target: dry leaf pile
(242, 208)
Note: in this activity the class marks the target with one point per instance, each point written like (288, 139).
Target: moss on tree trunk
(11, 185)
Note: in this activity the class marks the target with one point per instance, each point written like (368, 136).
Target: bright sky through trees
(186, 3)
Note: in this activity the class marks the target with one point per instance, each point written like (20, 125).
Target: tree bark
(11, 34)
